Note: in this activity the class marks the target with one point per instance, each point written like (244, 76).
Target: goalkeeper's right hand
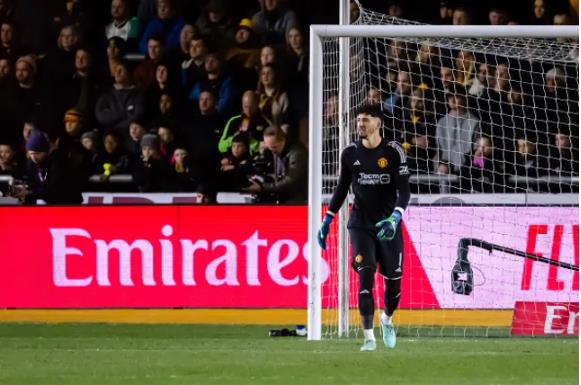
(324, 230)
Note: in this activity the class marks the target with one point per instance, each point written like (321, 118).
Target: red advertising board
(256, 256)
(546, 319)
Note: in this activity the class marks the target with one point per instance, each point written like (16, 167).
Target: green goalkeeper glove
(324, 230)
(386, 228)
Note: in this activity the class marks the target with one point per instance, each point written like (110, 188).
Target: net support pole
(315, 177)
(343, 242)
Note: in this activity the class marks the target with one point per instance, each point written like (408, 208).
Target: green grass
(193, 354)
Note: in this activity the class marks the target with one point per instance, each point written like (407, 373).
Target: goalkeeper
(378, 174)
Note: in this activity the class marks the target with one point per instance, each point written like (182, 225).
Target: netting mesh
(490, 116)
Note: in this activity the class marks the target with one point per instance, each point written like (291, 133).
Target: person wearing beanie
(73, 122)
(153, 173)
(50, 177)
(244, 57)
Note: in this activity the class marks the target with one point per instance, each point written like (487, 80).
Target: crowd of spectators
(212, 96)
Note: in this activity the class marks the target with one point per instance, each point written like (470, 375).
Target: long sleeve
(296, 173)
(342, 187)
(401, 179)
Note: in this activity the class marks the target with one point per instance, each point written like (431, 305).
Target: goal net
(490, 128)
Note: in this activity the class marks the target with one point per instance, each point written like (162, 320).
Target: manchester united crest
(382, 162)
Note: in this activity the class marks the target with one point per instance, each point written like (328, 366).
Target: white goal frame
(317, 33)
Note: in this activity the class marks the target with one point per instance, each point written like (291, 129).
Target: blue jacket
(224, 88)
(169, 30)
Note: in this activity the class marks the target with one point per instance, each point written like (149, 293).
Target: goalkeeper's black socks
(391, 295)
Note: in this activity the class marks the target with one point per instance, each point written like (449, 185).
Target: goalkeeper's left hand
(386, 228)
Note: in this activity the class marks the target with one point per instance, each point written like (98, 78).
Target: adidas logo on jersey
(357, 163)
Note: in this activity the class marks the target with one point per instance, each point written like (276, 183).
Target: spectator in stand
(123, 104)
(527, 163)
(21, 101)
(82, 88)
(168, 141)
(112, 158)
(461, 16)
(562, 19)
(297, 57)
(59, 64)
(166, 25)
(136, 133)
(374, 96)
(217, 23)
(244, 57)
(180, 163)
(426, 62)
(454, 133)
(297, 76)
(186, 35)
(122, 24)
(6, 73)
(218, 81)
(250, 121)
(163, 95)
(50, 177)
(152, 173)
(417, 115)
(144, 74)
(9, 162)
(483, 172)
(480, 81)
(272, 99)
(420, 154)
(465, 68)
(9, 47)
(397, 55)
(445, 14)
(540, 14)
(564, 158)
(498, 16)
(236, 167)
(116, 50)
(193, 70)
(206, 194)
(395, 105)
(69, 143)
(274, 20)
(202, 138)
(90, 142)
(290, 179)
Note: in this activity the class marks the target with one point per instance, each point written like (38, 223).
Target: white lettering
(571, 324)
(252, 244)
(230, 265)
(124, 249)
(59, 257)
(275, 265)
(552, 316)
(167, 257)
(188, 250)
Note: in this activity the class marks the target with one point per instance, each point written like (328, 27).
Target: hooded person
(273, 21)
(50, 178)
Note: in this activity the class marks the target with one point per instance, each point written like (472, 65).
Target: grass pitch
(107, 354)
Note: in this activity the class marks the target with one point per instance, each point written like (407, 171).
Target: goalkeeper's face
(367, 125)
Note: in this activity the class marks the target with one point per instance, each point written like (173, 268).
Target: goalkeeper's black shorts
(368, 251)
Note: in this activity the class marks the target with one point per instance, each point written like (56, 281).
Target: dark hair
(274, 131)
(371, 110)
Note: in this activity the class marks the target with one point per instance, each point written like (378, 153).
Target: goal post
(499, 42)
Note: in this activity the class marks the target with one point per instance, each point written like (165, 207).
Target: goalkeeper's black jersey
(379, 179)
